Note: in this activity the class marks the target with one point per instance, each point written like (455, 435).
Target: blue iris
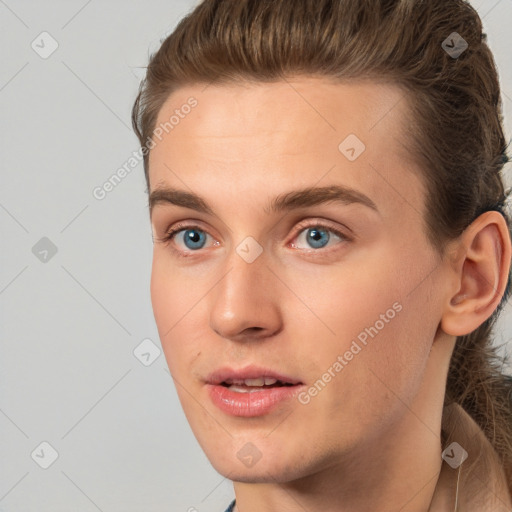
(315, 237)
(194, 237)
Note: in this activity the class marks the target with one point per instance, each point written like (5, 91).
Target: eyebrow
(293, 200)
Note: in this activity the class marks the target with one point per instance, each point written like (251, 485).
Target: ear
(480, 270)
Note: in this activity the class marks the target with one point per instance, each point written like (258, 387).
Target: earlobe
(481, 272)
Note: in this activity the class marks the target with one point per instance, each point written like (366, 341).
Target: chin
(271, 469)
(262, 475)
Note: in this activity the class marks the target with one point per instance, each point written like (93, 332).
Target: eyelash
(168, 237)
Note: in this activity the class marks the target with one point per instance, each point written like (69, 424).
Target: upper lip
(248, 372)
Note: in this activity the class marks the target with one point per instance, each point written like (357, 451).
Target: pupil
(192, 235)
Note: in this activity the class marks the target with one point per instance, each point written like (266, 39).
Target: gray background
(70, 321)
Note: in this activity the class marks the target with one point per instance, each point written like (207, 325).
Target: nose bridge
(245, 297)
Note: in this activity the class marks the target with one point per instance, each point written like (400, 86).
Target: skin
(370, 439)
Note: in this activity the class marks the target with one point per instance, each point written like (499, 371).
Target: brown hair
(456, 131)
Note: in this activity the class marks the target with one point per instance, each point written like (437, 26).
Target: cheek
(376, 317)
(163, 297)
(173, 298)
(346, 300)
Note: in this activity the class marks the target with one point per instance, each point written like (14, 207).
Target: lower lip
(255, 403)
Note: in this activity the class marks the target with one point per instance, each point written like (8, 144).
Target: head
(337, 212)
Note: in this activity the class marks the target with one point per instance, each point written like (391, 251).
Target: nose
(245, 303)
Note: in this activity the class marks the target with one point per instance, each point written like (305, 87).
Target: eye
(318, 236)
(186, 237)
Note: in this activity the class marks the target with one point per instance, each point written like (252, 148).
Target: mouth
(251, 391)
(253, 385)
(250, 377)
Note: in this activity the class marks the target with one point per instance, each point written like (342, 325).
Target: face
(293, 286)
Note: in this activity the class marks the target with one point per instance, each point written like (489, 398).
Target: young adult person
(331, 250)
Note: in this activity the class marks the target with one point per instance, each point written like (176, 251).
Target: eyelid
(171, 232)
(175, 227)
(324, 223)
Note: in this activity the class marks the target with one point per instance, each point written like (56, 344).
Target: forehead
(298, 130)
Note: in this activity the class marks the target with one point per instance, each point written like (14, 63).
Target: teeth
(255, 382)
(259, 382)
